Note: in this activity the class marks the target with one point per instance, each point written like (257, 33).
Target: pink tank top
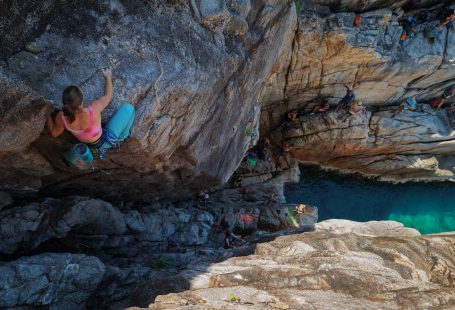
(88, 134)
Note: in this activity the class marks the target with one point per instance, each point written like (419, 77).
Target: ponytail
(72, 99)
(69, 114)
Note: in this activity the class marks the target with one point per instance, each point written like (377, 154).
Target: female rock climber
(409, 103)
(85, 122)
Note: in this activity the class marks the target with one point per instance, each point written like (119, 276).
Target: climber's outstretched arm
(100, 104)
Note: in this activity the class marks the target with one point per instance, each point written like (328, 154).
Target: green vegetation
(180, 227)
(298, 5)
(161, 262)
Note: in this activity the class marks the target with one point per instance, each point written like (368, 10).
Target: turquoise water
(430, 208)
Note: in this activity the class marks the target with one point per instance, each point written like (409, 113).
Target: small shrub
(161, 262)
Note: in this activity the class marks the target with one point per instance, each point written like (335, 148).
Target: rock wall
(329, 54)
(415, 145)
(194, 71)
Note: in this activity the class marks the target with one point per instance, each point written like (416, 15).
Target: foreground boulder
(59, 281)
(194, 72)
(330, 270)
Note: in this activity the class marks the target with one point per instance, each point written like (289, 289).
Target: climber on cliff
(437, 103)
(408, 23)
(85, 122)
(355, 108)
(447, 21)
(408, 103)
(231, 240)
(347, 99)
(321, 107)
(293, 116)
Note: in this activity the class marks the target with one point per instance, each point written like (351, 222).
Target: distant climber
(447, 20)
(263, 149)
(321, 107)
(355, 108)
(409, 103)
(231, 240)
(85, 122)
(287, 147)
(347, 99)
(408, 23)
(437, 103)
(357, 21)
(293, 116)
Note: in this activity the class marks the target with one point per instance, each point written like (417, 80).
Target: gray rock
(63, 281)
(329, 53)
(214, 13)
(192, 88)
(241, 7)
(21, 21)
(350, 5)
(24, 228)
(237, 25)
(5, 200)
(375, 144)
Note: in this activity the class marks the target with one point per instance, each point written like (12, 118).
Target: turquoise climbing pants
(120, 123)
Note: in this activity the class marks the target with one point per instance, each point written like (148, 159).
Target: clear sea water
(428, 207)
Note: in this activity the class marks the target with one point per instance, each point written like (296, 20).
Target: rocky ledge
(342, 265)
(81, 252)
(414, 145)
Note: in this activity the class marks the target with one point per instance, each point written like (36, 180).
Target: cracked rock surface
(330, 270)
(193, 70)
(329, 54)
(415, 145)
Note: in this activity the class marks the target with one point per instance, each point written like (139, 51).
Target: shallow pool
(430, 208)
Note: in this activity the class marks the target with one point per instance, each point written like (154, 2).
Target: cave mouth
(427, 207)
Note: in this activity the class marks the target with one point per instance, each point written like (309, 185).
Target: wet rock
(60, 281)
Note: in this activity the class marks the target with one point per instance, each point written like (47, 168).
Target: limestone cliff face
(193, 69)
(329, 54)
